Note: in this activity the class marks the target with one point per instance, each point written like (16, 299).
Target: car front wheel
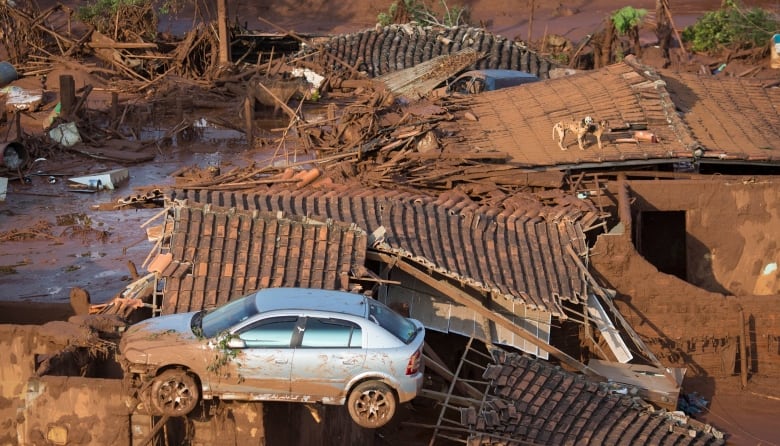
(174, 393)
(371, 404)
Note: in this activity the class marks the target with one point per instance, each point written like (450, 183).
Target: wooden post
(249, 111)
(133, 270)
(531, 20)
(224, 40)
(114, 106)
(67, 95)
(743, 366)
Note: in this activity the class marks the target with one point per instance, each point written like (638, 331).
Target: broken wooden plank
(420, 79)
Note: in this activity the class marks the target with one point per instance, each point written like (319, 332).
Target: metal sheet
(441, 314)
(608, 330)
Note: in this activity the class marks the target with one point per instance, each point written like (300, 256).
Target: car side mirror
(236, 343)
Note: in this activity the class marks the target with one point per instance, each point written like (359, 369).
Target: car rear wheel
(371, 404)
(174, 393)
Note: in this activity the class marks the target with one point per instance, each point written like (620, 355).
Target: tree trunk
(663, 30)
(609, 42)
(634, 33)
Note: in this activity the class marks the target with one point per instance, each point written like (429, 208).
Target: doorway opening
(661, 240)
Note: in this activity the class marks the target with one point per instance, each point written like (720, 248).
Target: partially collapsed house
(507, 272)
(466, 214)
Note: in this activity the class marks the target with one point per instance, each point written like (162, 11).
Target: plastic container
(14, 155)
(66, 134)
(7, 73)
(775, 50)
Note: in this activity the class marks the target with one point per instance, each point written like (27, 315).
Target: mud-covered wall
(233, 423)
(313, 425)
(75, 411)
(732, 225)
(686, 326)
(17, 343)
(82, 411)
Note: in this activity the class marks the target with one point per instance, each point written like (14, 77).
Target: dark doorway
(661, 240)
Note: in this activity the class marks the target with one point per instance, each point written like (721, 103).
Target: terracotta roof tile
(732, 118)
(221, 253)
(519, 121)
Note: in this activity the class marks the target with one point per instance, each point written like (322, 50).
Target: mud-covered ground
(44, 270)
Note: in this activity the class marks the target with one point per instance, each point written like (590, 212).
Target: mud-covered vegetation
(731, 27)
(404, 11)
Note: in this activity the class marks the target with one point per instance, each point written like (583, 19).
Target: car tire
(174, 393)
(371, 404)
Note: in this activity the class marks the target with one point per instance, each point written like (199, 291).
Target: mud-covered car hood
(160, 339)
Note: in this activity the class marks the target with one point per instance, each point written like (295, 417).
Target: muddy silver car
(280, 344)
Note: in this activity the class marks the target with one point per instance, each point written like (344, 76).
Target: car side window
(331, 333)
(274, 332)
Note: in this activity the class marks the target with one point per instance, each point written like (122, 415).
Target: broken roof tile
(589, 416)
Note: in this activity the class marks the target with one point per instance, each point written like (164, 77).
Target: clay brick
(491, 418)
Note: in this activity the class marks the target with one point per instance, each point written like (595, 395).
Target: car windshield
(228, 315)
(401, 327)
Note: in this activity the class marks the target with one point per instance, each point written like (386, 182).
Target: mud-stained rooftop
(519, 121)
(217, 254)
(676, 116)
(731, 118)
(383, 50)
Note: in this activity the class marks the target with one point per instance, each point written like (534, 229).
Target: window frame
(294, 335)
(355, 329)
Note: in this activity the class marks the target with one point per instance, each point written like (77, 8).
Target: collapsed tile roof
(219, 254)
(519, 252)
(519, 121)
(383, 50)
(532, 402)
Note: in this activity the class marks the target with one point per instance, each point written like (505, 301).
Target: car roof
(270, 299)
(499, 73)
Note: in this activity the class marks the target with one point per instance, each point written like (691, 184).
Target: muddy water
(88, 247)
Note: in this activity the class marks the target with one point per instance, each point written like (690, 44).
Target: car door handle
(280, 361)
(349, 361)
